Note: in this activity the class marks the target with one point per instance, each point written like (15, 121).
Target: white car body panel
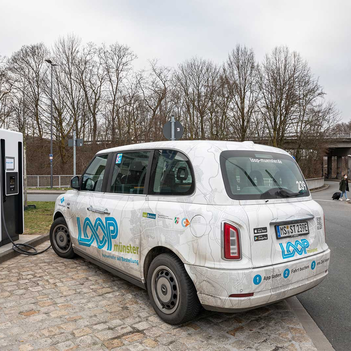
(191, 227)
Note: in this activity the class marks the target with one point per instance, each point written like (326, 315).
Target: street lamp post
(51, 156)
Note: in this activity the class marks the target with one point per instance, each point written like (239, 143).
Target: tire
(60, 238)
(171, 291)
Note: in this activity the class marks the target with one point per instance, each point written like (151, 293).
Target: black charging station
(11, 184)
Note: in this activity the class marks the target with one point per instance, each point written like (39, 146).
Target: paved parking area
(49, 303)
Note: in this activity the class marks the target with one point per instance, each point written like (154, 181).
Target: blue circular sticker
(286, 273)
(257, 279)
(313, 265)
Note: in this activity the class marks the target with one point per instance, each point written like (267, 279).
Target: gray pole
(24, 148)
(172, 128)
(74, 152)
(51, 155)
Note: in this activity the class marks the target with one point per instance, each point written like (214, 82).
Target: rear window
(261, 175)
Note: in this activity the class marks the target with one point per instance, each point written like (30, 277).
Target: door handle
(96, 210)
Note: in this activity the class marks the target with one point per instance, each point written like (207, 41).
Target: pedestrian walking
(344, 187)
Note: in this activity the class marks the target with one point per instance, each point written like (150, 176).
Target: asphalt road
(329, 304)
(42, 197)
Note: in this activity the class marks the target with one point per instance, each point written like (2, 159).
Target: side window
(172, 175)
(129, 172)
(93, 177)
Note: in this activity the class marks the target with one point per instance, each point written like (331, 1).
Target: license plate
(288, 230)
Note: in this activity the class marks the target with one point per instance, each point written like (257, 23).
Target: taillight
(231, 242)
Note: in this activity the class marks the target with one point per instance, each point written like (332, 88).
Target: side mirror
(75, 183)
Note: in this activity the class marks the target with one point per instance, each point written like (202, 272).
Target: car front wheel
(60, 238)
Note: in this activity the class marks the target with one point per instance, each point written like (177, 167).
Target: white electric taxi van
(226, 225)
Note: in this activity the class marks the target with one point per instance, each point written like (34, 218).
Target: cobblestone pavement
(50, 303)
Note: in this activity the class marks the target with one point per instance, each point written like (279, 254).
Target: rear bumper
(268, 284)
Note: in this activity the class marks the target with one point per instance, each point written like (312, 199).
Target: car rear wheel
(60, 238)
(171, 291)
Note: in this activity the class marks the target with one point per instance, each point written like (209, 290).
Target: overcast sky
(173, 31)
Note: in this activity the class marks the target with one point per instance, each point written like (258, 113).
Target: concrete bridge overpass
(338, 156)
(337, 160)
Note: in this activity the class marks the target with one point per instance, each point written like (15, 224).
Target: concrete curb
(318, 338)
(324, 187)
(10, 253)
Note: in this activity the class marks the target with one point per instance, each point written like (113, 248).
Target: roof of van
(187, 145)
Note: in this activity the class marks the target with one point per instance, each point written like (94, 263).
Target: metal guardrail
(43, 181)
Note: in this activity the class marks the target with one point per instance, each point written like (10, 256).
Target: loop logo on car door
(90, 232)
(300, 247)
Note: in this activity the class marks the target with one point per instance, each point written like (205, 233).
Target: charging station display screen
(10, 163)
(12, 181)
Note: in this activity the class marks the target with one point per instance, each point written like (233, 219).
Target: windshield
(261, 175)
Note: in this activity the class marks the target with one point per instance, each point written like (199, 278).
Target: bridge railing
(342, 136)
(294, 136)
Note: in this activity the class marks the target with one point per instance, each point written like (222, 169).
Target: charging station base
(8, 241)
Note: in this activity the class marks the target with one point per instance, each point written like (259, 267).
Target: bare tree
(314, 117)
(91, 77)
(197, 82)
(240, 77)
(98, 93)
(116, 60)
(278, 80)
(5, 93)
(27, 68)
(219, 111)
(154, 87)
(66, 53)
(342, 128)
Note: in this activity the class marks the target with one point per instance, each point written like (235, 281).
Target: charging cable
(24, 249)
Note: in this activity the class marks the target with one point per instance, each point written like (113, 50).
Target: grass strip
(38, 220)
